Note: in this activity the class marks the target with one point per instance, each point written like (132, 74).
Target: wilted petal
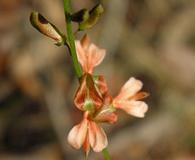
(101, 84)
(97, 137)
(81, 94)
(135, 108)
(87, 93)
(130, 88)
(77, 134)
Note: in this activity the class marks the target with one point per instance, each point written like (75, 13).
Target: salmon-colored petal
(97, 137)
(130, 88)
(81, 54)
(139, 96)
(91, 134)
(86, 145)
(95, 55)
(134, 108)
(85, 42)
(77, 134)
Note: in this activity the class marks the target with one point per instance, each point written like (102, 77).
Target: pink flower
(88, 134)
(129, 98)
(89, 55)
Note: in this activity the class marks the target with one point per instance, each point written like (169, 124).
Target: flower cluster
(98, 106)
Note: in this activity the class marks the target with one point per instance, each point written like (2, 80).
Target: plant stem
(70, 38)
(106, 154)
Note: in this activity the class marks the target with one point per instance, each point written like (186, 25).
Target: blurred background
(152, 40)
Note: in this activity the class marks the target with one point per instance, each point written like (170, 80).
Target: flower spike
(92, 96)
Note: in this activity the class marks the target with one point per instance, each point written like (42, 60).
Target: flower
(93, 99)
(88, 134)
(89, 55)
(129, 98)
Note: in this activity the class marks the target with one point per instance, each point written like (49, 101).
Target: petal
(95, 55)
(130, 88)
(92, 135)
(97, 137)
(86, 145)
(81, 54)
(77, 134)
(139, 95)
(85, 42)
(134, 108)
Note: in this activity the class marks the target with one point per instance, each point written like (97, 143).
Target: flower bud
(80, 16)
(46, 28)
(93, 18)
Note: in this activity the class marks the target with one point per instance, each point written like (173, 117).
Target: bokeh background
(153, 40)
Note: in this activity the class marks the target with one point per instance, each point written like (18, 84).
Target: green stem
(70, 38)
(106, 154)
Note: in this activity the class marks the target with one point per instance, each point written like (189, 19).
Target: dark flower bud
(94, 15)
(80, 16)
(46, 28)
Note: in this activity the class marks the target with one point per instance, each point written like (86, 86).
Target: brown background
(153, 40)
